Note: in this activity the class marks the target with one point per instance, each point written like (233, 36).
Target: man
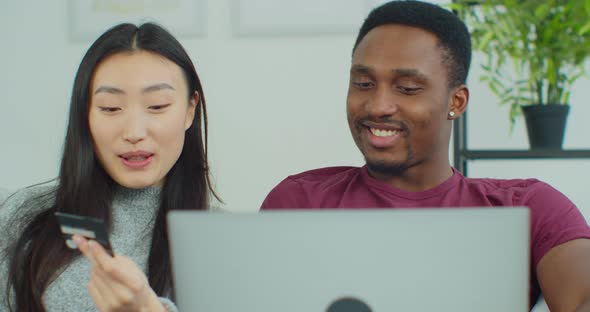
(407, 84)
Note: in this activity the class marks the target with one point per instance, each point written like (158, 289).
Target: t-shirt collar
(441, 188)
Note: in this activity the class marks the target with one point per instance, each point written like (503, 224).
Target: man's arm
(564, 276)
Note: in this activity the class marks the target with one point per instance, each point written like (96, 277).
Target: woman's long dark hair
(40, 255)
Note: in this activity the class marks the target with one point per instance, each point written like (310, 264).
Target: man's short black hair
(451, 32)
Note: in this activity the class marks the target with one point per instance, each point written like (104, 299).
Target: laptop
(451, 259)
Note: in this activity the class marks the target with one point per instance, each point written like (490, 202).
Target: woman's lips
(136, 160)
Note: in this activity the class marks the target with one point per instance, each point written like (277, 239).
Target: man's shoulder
(554, 218)
(527, 191)
(303, 189)
(511, 185)
(324, 175)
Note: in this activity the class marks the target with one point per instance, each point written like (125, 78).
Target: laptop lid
(455, 259)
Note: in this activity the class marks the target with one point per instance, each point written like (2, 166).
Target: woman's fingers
(112, 293)
(117, 268)
(103, 259)
(116, 282)
(84, 248)
(117, 293)
(120, 274)
(97, 296)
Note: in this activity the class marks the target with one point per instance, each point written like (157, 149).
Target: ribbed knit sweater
(133, 213)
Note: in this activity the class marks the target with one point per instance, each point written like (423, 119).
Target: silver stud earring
(451, 114)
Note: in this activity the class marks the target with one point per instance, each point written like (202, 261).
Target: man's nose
(383, 102)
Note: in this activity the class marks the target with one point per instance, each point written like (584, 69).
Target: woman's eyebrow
(151, 88)
(157, 87)
(108, 89)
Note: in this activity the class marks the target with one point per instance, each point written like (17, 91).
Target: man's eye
(159, 107)
(109, 109)
(407, 90)
(363, 85)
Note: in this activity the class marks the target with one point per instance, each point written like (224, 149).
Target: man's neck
(416, 179)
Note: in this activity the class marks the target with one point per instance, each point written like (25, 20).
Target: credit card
(91, 228)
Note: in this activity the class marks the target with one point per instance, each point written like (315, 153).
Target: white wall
(276, 106)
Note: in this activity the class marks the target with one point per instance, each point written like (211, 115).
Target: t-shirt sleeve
(554, 220)
(287, 194)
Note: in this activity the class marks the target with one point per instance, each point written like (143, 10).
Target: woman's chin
(138, 183)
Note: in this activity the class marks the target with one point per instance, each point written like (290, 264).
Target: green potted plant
(535, 50)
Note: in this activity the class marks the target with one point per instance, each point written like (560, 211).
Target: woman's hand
(116, 283)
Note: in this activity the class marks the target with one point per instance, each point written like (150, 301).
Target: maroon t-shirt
(554, 218)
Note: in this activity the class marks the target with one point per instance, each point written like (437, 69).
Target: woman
(135, 149)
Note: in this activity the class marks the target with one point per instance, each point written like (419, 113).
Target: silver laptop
(352, 260)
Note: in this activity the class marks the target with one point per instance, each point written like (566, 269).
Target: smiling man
(407, 84)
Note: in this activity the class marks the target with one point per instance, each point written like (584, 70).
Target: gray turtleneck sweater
(133, 222)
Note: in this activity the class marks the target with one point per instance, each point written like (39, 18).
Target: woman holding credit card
(135, 148)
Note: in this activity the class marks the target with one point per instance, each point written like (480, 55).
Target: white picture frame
(90, 18)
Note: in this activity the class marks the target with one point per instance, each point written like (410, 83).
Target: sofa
(4, 192)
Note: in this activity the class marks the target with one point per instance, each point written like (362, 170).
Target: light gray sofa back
(3, 194)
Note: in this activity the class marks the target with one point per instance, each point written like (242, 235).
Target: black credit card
(91, 228)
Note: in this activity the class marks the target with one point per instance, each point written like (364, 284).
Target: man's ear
(192, 107)
(458, 102)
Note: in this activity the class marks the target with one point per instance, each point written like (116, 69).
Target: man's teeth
(384, 133)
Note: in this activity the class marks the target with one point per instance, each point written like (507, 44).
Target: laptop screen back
(388, 259)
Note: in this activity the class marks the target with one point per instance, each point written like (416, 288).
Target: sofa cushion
(4, 193)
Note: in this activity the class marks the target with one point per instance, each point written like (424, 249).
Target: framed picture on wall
(89, 18)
